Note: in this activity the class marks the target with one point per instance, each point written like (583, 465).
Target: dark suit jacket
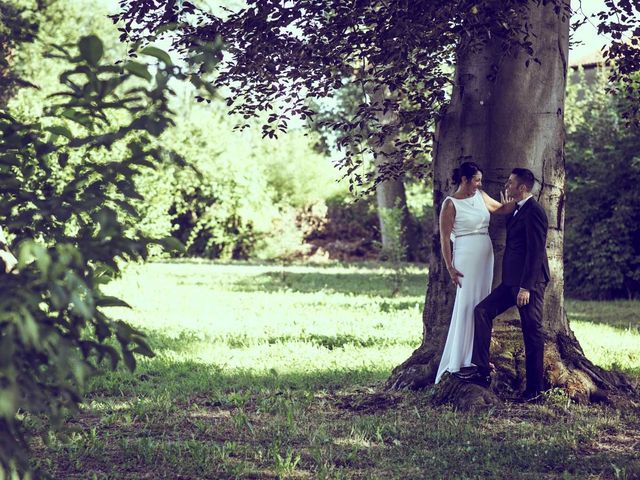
(525, 260)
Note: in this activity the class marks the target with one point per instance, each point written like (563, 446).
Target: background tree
(391, 193)
(602, 259)
(506, 108)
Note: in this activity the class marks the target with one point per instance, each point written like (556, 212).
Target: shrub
(66, 202)
(237, 195)
(602, 227)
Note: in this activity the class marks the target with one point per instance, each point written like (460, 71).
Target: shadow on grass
(356, 283)
(173, 371)
(187, 340)
(181, 379)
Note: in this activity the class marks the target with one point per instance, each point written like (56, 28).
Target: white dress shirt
(520, 204)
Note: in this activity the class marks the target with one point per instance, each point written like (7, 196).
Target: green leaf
(30, 251)
(28, 328)
(171, 244)
(129, 359)
(91, 49)
(59, 297)
(102, 326)
(80, 306)
(79, 370)
(126, 332)
(137, 69)
(60, 130)
(63, 158)
(77, 117)
(157, 53)
(143, 162)
(143, 347)
(109, 301)
(127, 207)
(114, 357)
(9, 401)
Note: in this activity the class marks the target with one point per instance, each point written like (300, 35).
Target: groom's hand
(455, 276)
(523, 297)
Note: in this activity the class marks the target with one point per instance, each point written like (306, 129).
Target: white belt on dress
(474, 233)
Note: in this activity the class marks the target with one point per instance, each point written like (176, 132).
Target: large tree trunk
(511, 119)
(397, 228)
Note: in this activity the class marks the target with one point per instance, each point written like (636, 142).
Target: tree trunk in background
(6, 81)
(391, 194)
(514, 120)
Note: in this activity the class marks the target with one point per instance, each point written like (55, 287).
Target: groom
(525, 274)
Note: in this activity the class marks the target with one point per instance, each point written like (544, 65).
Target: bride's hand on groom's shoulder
(505, 198)
(9, 261)
(455, 276)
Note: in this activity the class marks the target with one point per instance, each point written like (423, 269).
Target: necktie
(516, 210)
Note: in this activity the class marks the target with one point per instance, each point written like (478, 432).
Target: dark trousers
(499, 300)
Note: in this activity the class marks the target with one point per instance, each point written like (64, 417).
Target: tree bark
(505, 114)
(391, 196)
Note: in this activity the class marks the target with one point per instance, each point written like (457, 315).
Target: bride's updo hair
(466, 170)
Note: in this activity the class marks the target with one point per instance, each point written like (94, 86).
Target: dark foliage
(68, 207)
(621, 21)
(232, 237)
(281, 55)
(602, 227)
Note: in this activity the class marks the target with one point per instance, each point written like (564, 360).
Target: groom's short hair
(525, 177)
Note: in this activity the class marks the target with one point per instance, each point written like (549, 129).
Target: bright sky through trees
(587, 34)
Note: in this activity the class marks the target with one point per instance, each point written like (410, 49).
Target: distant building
(589, 63)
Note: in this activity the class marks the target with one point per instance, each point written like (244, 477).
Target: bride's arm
(447, 217)
(497, 208)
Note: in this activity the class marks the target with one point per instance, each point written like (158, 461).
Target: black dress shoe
(466, 372)
(482, 379)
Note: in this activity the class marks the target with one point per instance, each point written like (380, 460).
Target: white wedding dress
(473, 257)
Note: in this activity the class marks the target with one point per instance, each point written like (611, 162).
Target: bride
(464, 219)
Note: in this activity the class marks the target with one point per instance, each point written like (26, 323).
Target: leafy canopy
(277, 55)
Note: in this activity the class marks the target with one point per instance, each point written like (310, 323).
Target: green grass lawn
(270, 372)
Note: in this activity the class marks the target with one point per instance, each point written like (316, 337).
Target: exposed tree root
(565, 365)
(464, 396)
(415, 373)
